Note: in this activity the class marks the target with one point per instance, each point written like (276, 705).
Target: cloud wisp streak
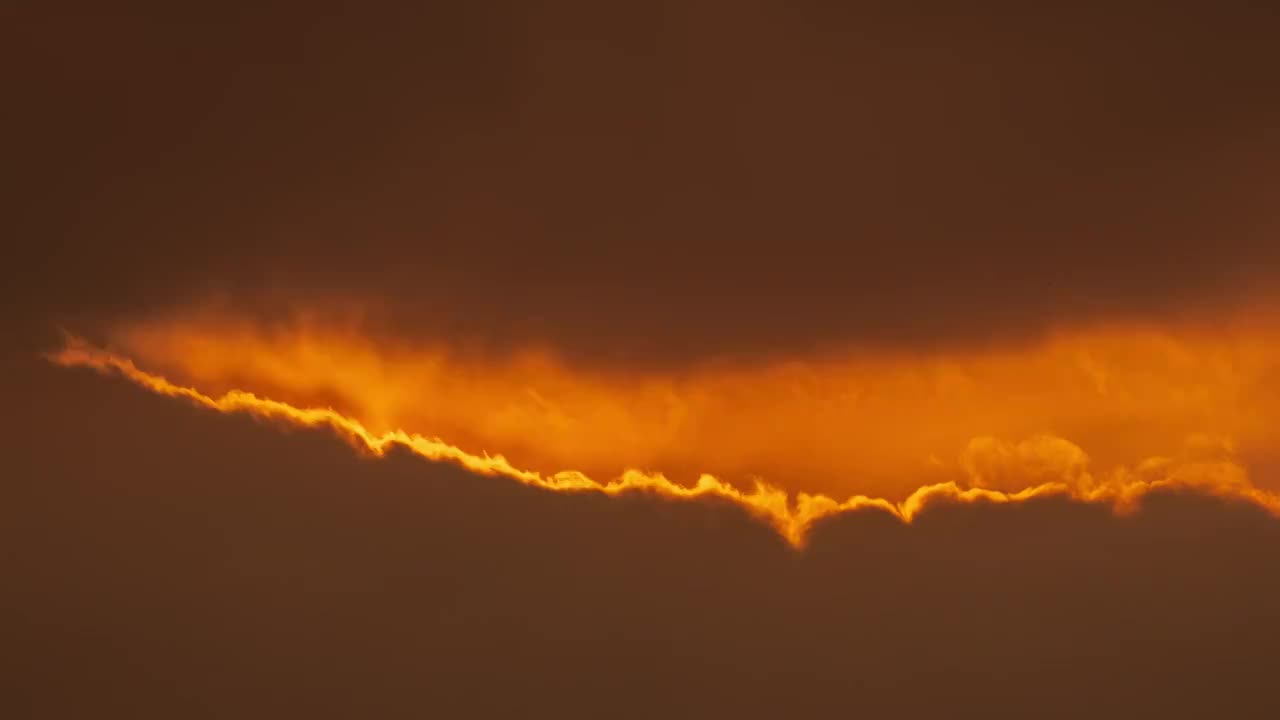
(791, 515)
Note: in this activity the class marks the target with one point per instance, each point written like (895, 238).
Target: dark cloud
(652, 181)
(162, 561)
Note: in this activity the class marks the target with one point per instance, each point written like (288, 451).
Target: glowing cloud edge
(791, 516)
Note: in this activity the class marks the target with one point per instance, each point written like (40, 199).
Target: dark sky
(631, 184)
(649, 182)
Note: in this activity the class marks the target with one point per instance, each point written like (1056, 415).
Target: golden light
(1102, 413)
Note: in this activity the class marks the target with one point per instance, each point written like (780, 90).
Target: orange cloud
(996, 470)
(838, 423)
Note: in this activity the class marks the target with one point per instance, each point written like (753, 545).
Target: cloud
(840, 424)
(1040, 466)
(990, 462)
(989, 295)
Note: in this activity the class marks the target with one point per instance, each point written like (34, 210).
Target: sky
(640, 358)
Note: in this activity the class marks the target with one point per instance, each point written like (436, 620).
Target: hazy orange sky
(707, 358)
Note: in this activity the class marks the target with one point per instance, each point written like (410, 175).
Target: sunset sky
(693, 359)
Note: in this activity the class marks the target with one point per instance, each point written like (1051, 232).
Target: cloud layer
(1042, 466)
(1122, 396)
